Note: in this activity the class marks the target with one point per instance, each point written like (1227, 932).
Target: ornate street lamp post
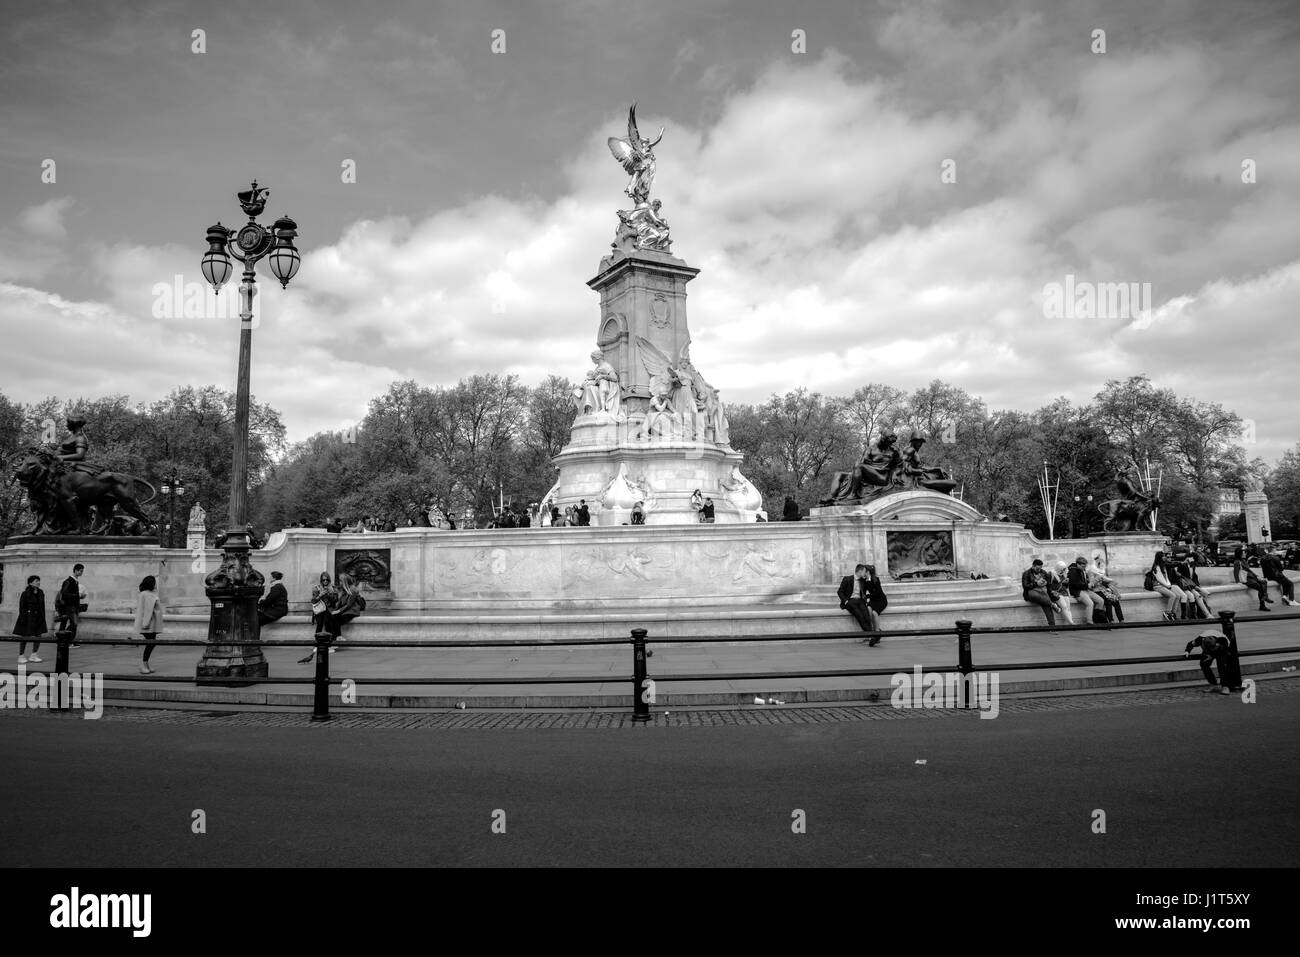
(235, 586)
(1085, 503)
(173, 487)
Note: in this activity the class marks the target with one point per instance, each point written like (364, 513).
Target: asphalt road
(1174, 781)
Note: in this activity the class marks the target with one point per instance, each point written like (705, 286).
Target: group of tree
(189, 434)
(795, 443)
(465, 449)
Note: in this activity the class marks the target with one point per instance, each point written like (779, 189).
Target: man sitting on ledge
(1037, 589)
(858, 605)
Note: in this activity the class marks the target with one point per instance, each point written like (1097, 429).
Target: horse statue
(1126, 515)
(62, 496)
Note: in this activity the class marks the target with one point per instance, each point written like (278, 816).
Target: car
(1227, 550)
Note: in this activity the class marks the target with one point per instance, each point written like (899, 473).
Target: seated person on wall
(1271, 567)
(583, 513)
(706, 513)
(274, 605)
(1184, 576)
(1036, 588)
(1077, 583)
(1159, 581)
(1243, 575)
(1104, 586)
(638, 514)
(856, 595)
(1056, 583)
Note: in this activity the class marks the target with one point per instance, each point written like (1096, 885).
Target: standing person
(275, 605)
(856, 604)
(1035, 587)
(1077, 583)
(584, 513)
(68, 602)
(790, 511)
(1158, 580)
(697, 503)
(323, 597)
(556, 518)
(1242, 574)
(148, 619)
(706, 513)
(1106, 588)
(30, 622)
(1270, 566)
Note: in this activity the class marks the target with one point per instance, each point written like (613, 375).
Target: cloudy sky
(808, 187)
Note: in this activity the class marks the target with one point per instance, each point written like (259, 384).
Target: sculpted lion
(62, 495)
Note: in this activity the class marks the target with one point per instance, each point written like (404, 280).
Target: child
(148, 619)
(30, 622)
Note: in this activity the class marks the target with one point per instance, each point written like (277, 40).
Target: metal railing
(643, 683)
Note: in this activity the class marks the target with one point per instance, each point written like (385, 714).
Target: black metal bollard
(1231, 666)
(964, 664)
(63, 639)
(640, 707)
(63, 642)
(321, 703)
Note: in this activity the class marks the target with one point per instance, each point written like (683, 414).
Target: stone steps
(985, 606)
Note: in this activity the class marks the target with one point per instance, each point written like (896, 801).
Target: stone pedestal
(1257, 520)
(614, 461)
(233, 589)
(196, 536)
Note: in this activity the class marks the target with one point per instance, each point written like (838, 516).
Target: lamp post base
(234, 588)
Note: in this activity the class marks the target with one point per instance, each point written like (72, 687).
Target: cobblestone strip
(601, 720)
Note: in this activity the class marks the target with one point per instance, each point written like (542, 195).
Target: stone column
(1257, 520)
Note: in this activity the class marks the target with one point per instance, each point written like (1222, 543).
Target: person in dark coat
(68, 601)
(275, 604)
(790, 511)
(1215, 651)
(706, 512)
(856, 604)
(1270, 567)
(584, 513)
(31, 619)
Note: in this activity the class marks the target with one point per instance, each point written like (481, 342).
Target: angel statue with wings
(674, 379)
(636, 155)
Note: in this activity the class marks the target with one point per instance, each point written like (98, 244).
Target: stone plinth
(1257, 520)
(614, 461)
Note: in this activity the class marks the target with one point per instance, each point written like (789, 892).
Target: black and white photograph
(656, 437)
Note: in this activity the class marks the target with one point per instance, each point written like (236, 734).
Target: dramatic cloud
(810, 191)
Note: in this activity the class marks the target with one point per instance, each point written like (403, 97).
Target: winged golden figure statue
(636, 155)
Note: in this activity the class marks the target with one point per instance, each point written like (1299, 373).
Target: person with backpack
(30, 622)
(1157, 580)
(69, 603)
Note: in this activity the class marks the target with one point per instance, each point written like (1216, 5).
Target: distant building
(1227, 503)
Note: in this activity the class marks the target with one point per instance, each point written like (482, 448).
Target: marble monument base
(613, 473)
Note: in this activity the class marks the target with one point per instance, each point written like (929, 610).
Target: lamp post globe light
(235, 586)
(172, 487)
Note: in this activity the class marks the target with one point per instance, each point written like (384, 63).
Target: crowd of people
(332, 607)
(1172, 576)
